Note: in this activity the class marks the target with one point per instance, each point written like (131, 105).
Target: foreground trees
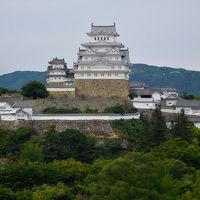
(156, 164)
(155, 130)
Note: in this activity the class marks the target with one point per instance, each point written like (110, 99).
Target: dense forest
(147, 161)
(185, 81)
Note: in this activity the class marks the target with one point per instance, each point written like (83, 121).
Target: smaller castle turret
(60, 79)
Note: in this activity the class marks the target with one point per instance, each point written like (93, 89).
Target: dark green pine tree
(182, 127)
(155, 130)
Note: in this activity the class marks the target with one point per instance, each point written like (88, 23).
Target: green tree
(24, 195)
(34, 89)
(68, 144)
(12, 141)
(6, 194)
(132, 130)
(24, 174)
(118, 109)
(194, 192)
(155, 130)
(182, 127)
(47, 192)
(179, 149)
(32, 152)
(136, 176)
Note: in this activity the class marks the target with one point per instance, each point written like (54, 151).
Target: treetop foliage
(34, 89)
(157, 163)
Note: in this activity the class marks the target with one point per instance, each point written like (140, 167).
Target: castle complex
(102, 68)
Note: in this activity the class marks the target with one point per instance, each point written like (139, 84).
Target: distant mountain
(183, 80)
(17, 79)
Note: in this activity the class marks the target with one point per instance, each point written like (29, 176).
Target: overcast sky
(157, 32)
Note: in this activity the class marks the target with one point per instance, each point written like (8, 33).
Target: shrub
(34, 89)
(54, 110)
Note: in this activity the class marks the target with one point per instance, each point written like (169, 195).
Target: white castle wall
(86, 117)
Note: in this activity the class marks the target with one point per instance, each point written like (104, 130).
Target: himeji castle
(60, 79)
(102, 68)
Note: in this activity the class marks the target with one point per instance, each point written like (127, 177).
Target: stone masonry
(104, 88)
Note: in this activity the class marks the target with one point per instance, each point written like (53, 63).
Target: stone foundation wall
(61, 94)
(97, 128)
(105, 88)
(99, 103)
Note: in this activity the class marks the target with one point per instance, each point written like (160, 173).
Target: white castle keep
(102, 67)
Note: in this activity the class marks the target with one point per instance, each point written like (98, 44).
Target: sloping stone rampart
(104, 88)
(97, 128)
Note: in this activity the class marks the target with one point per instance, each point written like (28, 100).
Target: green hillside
(17, 79)
(183, 80)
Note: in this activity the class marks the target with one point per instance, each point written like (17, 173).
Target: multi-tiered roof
(103, 54)
(58, 75)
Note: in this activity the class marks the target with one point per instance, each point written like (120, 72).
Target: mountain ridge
(185, 81)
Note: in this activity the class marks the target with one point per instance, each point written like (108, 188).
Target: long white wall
(86, 117)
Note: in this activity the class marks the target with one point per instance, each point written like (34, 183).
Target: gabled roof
(103, 60)
(4, 104)
(148, 91)
(21, 111)
(137, 85)
(172, 97)
(103, 30)
(23, 104)
(103, 43)
(57, 61)
(188, 103)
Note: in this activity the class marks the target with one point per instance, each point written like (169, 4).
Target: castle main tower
(103, 64)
